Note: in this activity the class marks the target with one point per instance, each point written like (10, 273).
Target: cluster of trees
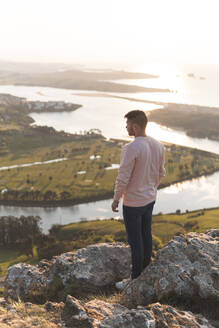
(22, 233)
(191, 225)
(199, 165)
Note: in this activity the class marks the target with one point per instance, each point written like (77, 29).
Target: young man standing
(140, 172)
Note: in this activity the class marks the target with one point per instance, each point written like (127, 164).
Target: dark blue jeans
(138, 222)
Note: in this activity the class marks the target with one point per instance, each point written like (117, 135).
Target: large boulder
(86, 270)
(187, 268)
(100, 314)
(26, 282)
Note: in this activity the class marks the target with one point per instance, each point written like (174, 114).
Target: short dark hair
(137, 116)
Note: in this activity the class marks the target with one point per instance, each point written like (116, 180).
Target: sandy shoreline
(84, 94)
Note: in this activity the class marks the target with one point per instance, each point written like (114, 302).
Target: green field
(61, 181)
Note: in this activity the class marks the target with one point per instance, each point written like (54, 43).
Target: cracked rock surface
(187, 267)
(85, 270)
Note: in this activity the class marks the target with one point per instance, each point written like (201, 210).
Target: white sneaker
(120, 285)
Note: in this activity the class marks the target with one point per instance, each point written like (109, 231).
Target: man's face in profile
(129, 128)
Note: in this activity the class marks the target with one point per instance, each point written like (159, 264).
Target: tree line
(33, 195)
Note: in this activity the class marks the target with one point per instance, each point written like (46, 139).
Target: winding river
(107, 114)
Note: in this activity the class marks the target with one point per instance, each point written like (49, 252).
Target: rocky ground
(97, 314)
(180, 288)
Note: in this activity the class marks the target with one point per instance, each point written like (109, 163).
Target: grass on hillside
(29, 315)
(167, 225)
(164, 227)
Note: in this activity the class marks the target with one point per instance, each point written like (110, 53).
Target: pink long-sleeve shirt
(140, 172)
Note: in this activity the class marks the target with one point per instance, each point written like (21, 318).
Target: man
(140, 172)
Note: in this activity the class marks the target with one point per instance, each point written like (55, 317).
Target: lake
(107, 114)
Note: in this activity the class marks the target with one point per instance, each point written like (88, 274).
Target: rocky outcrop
(100, 314)
(87, 270)
(187, 268)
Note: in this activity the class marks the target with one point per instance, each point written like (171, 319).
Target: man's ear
(135, 127)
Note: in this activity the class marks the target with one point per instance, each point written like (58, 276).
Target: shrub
(157, 243)
(53, 249)
(191, 224)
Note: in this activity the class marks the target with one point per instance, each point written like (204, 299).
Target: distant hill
(79, 80)
(23, 68)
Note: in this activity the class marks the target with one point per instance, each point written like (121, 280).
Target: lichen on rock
(187, 268)
(86, 270)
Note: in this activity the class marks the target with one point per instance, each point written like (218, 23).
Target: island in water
(196, 121)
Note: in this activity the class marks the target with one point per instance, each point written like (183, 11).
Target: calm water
(98, 112)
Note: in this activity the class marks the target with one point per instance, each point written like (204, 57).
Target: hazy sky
(109, 31)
